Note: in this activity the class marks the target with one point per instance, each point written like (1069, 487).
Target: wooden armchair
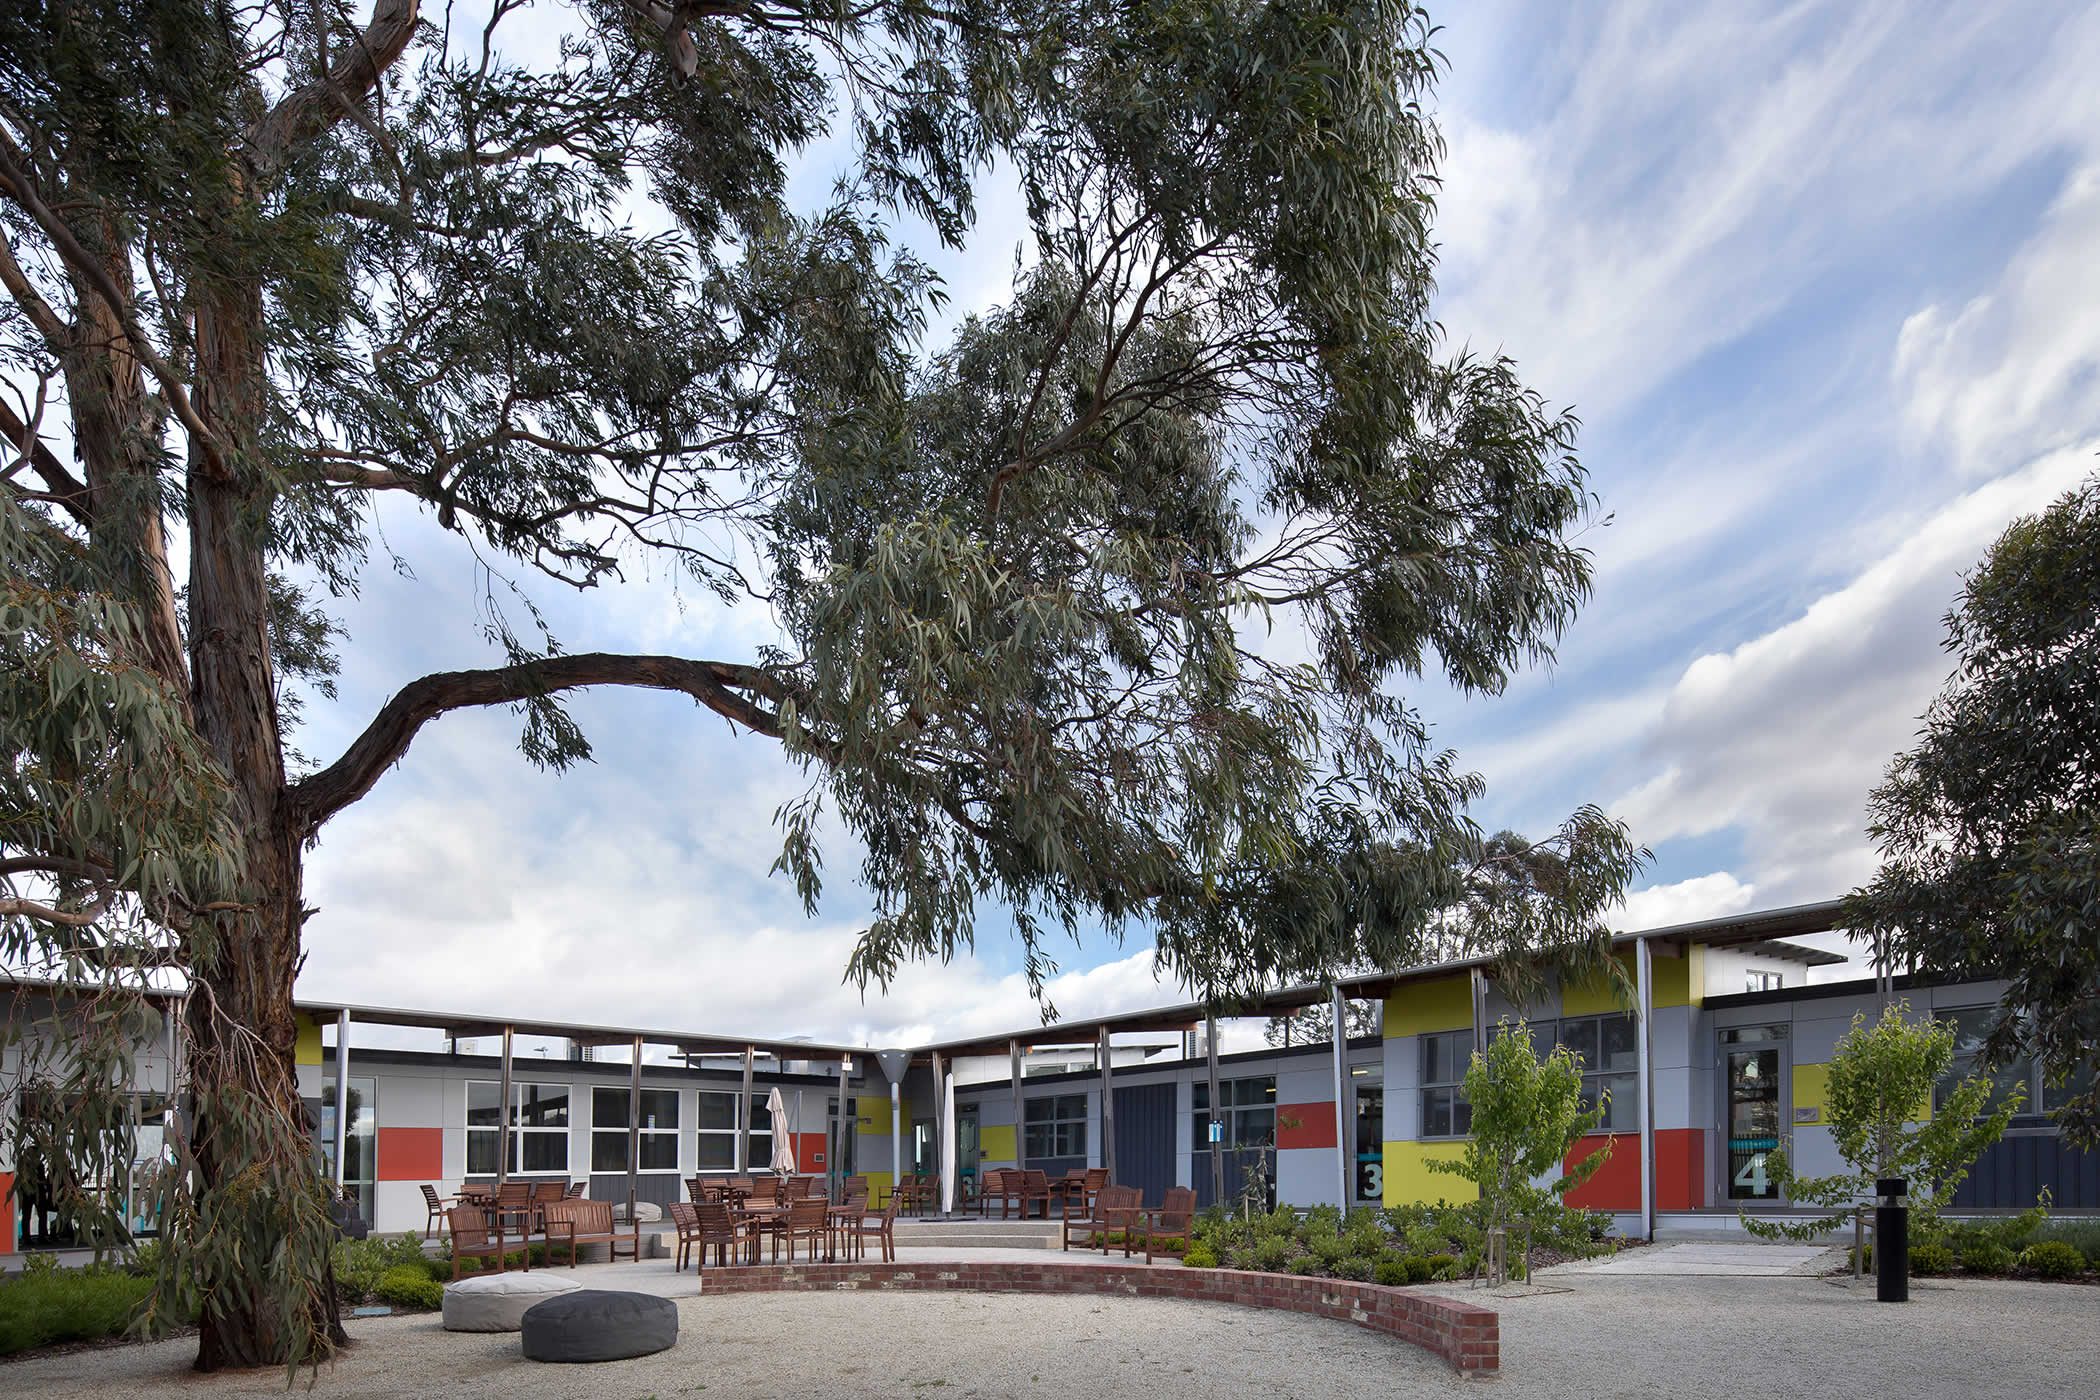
(1117, 1208)
(1088, 1186)
(993, 1184)
(718, 1226)
(579, 1222)
(1174, 1220)
(474, 1238)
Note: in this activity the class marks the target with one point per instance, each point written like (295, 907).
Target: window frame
(1059, 1130)
(648, 1137)
(1447, 1091)
(510, 1145)
(1246, 1101)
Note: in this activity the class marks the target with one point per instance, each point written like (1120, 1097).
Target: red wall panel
(7, 1204)
(1315, 1125)
(1680, 1175)
(411, 1154)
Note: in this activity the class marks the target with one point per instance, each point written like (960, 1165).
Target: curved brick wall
(1468, 1337)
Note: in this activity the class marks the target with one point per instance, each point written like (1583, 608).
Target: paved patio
(1709, 1259)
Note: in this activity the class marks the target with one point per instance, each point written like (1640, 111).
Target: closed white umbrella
(948, 1162)
(783, 1133)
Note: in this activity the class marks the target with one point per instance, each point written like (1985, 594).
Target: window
(1610, 1050)
(717, 1125)
(1765, 981)
(761, 1135)
(1445, 1058)
(539, 1128)
(658, 1140)
(1056, 1127)
(1246, 1112)
(1972, 1026)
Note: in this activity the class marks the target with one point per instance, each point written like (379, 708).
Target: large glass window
(538, 1122)
(717, 1135)
(1610, 1050)
(1246, 1112)
(1445, 1059)
(1972, 1026)
(1056, 1126)
(359, 1142)
(761, 1135)
(658, 1139)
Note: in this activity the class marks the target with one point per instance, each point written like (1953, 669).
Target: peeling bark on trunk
(243, 1033)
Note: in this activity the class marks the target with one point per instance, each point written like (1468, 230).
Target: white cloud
(1782, 737)
(1701, 897)
(2017, 371)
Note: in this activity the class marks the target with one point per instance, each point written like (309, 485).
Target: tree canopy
(1990, 827)
(1100, 610)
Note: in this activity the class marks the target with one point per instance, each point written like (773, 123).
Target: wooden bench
(579, 1221)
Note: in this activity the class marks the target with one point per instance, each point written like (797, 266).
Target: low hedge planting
(2053, 1259)
(410, 1286)
(45, 1303)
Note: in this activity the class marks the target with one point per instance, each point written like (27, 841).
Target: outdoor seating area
(747, 1219)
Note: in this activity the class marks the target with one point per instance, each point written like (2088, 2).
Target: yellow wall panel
(996, 1143)
(1440, 1004)
(873, 1111)
(1811, 1082)
(879, 1188)
(308, 1051)
(1408, 1180)
(1678, 982)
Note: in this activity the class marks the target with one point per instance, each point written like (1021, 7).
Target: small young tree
(1879, 1103)
(1527, 1113)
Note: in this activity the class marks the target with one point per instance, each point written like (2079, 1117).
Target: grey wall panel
(1145, 1120)
(659, 1188)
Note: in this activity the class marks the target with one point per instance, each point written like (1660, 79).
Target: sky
(1819, 281)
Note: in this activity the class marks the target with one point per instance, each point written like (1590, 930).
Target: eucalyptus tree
(1990, 863)
(1097, 611)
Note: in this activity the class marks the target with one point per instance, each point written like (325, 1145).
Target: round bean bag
(498, 1302)
(593, 1324)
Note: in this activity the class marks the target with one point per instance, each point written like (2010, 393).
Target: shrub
(2054, 1259)
(1273, 1254)
(410, 1287)
(2081, 1235)
(361, 1264)
(1985, 1255)
(1419, 1269)
(1200, 1256)
(1390, 1272)
(1356, 1268)
(45, 1304)
(1304, 1264)
(1931, 1258)
(1447, 1270)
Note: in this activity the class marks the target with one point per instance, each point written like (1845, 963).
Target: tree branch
(720, 686)
(307, 112)
(45, 914)
(63, 487)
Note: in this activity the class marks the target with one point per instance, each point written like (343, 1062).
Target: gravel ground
(1603, 1336)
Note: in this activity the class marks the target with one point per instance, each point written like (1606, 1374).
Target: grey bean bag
(593, 1324)
(498, 1302)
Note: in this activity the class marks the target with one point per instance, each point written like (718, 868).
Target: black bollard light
(1891, 1240)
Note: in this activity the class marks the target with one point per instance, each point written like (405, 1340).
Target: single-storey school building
(1722, 1053)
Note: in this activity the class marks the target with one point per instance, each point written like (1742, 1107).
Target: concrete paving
(1707, 1259)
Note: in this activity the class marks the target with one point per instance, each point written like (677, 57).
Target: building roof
(1759, 931)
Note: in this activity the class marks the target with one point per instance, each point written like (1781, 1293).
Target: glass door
(967, 1150)
(1753, 1069)
(1370, 1143)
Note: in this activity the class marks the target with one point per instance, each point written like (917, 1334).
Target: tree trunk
(243, 1031)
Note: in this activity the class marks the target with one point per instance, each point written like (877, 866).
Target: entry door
(967, 1150)
(1370, 1144)
(1754, 1109)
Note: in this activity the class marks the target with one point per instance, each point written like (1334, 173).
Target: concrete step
(977, 1234)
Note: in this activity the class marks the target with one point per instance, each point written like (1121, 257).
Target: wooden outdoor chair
(718, 1226)
(696, 1190)
(1174, 1220)
(574, 1189)
(802, 1188)
(1088, 1186)
(1116, 1208)
(993, 1183)
(852, 1185)
(472, 1238)
(808, 1218)
(435, 1205)
(579, 1222)
(1035, 1188)
(881, 1227)
(546, 1193)
(514, 1201)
